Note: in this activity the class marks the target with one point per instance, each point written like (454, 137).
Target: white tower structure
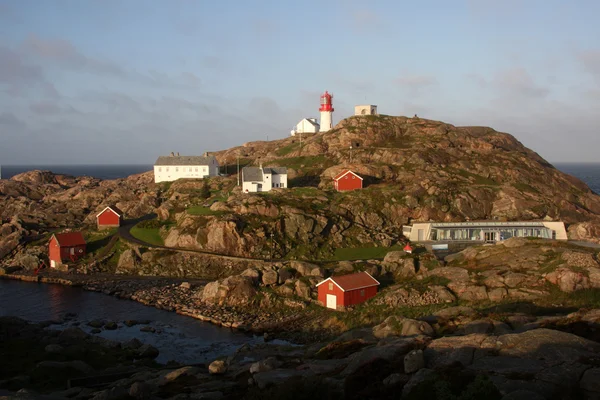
(326, 110)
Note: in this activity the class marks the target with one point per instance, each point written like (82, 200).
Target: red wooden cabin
(110, 217)
(64, 247)
(347, 290)
(347, 180)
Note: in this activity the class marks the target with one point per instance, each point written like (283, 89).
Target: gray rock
(265, 365)
(147, 351)
(269, 277)
(389, 351)
(111, 326)
(178, 373)
(395, 379)
(54, 348)
(454, 312)
(478, 326)
(303, 268)
(115, 393)
(217, 367)
(72, 334)
(141, 390)
(95, 331)
(276, 376)
(413, 361)
(96, 323)
(185, 285)
(133, 344)
(252, 274)
(422, 375)
(590, 382)
(148, 329)
(216, 395)
(284, 275)
(399, 326)
(523, 395)
(76, 365)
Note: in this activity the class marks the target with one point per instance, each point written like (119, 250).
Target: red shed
(68, 246)
(110, 217)
(347, 180)
(347, 290)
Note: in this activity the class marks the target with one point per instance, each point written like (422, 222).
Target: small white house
(259, 179)
(368, 109)
(173, 167)
(307, 125)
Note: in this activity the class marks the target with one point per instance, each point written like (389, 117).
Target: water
(178, 338)
(96, 171)
(589, 173)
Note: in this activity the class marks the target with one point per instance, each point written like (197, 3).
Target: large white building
(173, 167)
(307, 125)
(483, 231)
(259, 179)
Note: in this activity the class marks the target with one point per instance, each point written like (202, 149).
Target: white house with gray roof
(259, 179)
(173, 167)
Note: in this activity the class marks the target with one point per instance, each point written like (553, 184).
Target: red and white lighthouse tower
(326, 110)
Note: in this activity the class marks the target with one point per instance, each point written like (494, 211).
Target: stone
(147, 351)
(318, 272)
(141, 390)
(133, 344)
(302, 267)
(265, 365)
(497, 294)
(395, 379)
(253, 274)
(522, 394)
(96, 323)
(422, 375)
(217, 367)
(413, 361)
(115, 393)
(399, 326)
(590, 382)
(178, 373)
(454, 312)
(303, 289)
(111, 326)
(72, 334)
(147, 329)
(54, 349)
(568, 280)
(214, 395)
(283, 275)
(95, 331)
(269, 277)
(478, 326)
(76, 364)
(185, 285)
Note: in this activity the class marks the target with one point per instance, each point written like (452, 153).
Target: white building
(173, 167)
(307, 125)
(259, 179)
(365, 110)
(483, 231)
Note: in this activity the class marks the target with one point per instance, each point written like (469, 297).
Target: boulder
(217, 367)
(269, 277)
(303, 268)
(253, 274)
(568, 280)
(147, 351)
(303, 289)
(233, 290)
(54, 349)
(265, 365)
(399, 326)
(178, 373)
(283, 275)
(185, 285)
(72, 334)
(54, 365)
(133, 344)
(141, 390)
(413, 361)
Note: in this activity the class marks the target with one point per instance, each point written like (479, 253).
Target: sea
(587, 172)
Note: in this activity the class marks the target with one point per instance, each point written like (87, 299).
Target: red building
(347, 180)
(347, 290)
(110, 217)
(64, 247)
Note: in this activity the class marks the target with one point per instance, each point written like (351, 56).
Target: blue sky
(78, 77)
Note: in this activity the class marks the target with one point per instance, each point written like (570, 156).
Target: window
(167, 169)
(159, 169)
(176, 169)
(282, 185)
(272, 185)
(196, 169)
(330, 286)
(362, 293)
(353, 177)
(190, 169)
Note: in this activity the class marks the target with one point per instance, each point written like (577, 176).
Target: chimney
(177, 154)
(172, 154)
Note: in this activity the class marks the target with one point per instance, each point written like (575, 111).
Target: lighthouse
(326, 110)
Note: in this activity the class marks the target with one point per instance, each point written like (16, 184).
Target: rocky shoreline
(172, 295)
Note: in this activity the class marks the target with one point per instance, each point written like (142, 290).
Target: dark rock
(148, 351)
(147, 329)
(96, 331)
(111, 326)
(96, 323)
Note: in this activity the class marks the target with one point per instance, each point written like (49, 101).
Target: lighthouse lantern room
(326, 110)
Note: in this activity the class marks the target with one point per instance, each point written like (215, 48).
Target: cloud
(64, 53)
(365, 20)
(416, 84)
(14, 68)
(45, 108)
(9, 120)
(519, 81)
(591, 61)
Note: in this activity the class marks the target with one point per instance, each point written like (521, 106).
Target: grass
(523, 187)
(202, 210)
(363, 253)
(148, 235)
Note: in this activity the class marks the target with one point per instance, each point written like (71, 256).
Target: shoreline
(168, 294)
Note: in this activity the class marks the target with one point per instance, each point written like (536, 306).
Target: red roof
(113, 208)
(352, 281)
(69, 239)
(407, 247)
(344, 172)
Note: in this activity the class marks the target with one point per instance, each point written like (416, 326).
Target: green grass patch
(202, 210)
(285, 150)
(363, 253)
(148, 235)
(523, 187)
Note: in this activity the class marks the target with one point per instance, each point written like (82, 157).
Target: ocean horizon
(587, 172)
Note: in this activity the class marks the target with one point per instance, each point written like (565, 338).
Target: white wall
(305, 126)
(326, 121)
(168, 173)
(365, 110)
(559, 228)
(280, 181)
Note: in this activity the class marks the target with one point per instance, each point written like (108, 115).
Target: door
(331, 301)
(490, 236)
(420, 235)
(72, 251)
(52, 263)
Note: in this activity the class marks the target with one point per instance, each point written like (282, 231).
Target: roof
(344, 172)
(355, 281)
(407, 247)
(115, 209)
(312, 121)
(255, 174)
(69, 239)
(184, 160)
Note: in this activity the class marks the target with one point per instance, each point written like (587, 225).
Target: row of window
(277, 185)
(183, 169)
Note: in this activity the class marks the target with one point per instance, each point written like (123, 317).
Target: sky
(124, 81)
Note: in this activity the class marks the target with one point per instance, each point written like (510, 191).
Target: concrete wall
(365, 110)
(305, 126)
(326, 121)
(559, 228)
